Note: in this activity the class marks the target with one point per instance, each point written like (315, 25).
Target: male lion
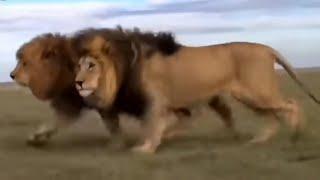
(151, 80)
(46, 65)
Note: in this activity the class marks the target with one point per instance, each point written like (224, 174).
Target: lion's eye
(24, 63)
(91, 65)
(77, 68)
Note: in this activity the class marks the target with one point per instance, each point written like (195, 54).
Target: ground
(207, 152)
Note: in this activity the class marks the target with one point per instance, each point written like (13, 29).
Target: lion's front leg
(48, 129)
(111, 122)
(155, 127)
(180, 127)
(66, 115)
(41, 135)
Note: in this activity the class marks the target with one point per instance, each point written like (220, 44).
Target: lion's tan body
(194, 75)
(246, 71)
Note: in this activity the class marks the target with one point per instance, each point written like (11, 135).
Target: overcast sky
(291, 26)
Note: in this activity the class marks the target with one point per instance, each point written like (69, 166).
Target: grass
(207, 152)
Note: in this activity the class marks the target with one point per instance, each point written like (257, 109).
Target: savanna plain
(84, 150)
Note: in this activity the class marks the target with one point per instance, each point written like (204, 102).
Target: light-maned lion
(149, 81)
(46, 66)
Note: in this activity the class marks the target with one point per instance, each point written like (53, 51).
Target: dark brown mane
(82, 37)
(163, 42)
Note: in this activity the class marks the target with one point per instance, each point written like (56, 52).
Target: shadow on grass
(204, 141)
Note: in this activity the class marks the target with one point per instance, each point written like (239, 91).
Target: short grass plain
(83, 151)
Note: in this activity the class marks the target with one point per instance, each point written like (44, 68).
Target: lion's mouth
(21, 83)
(85, 92)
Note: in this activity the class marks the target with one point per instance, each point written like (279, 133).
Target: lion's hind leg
(267, 104)
(293, 116)
(291, 111)
(271, 104)
(218, 105)
(269, 131)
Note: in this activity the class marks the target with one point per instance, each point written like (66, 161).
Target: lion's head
(99, 70)
(44, 65)
(96, 81)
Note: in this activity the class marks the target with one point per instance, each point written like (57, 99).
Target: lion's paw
(38, 140)
(146, 148)
(259, 140)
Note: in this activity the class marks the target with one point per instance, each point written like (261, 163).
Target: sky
(290, 26)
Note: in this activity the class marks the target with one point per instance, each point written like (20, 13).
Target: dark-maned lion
(46, 65)
(128, 74)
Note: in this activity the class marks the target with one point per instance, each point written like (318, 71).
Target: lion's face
(97, 75)
(21, 73)
(87, 79)
(40, 67)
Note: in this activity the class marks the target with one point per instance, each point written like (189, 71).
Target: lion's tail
(285, 64)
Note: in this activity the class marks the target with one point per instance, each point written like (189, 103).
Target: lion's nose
(79, 83)
(12, 75)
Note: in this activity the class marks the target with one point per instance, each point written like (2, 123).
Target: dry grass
(83, 151)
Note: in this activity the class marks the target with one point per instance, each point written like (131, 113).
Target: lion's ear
(49, 52)
(146, 50)
(53, 49)
(136, 52)
(106, 48)
(99, 44)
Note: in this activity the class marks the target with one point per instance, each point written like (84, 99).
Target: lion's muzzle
(84, 92)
